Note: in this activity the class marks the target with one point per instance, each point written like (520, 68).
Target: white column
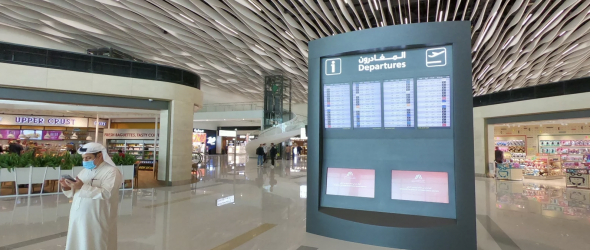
(163, 157)
(155, 143)
(179, 148)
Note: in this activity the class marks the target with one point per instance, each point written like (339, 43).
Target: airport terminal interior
(295, 125)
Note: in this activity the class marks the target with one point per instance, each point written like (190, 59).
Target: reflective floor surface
(268, 212)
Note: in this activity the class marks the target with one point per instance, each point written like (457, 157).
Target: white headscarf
(93, 147)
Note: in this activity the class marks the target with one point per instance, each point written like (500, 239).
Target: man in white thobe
(93, 216)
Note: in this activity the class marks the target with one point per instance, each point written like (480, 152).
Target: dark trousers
(265, 157)
(272, 160)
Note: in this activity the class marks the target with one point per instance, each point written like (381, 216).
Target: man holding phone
(93, 215)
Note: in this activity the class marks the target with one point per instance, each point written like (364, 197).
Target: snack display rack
(573, 155)
(543, 167)
(514, 147)
(144, 150)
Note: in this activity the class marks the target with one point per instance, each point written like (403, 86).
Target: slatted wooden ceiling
(232, 44)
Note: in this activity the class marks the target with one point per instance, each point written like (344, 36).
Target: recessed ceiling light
(187, 17)
(226, 27)
(527, 18)
(568, 50)
(255, 5)
(259, 47)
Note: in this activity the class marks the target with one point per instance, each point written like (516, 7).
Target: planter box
(22, 176)
(128, 172)
(38, 175)
(5, 175)
(53, 174)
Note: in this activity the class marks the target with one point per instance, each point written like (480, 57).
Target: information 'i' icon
(333, 66)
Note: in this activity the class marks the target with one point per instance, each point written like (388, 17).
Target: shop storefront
(297, 147)
(141, 143)
(48, 133)
(545, 150)
(203, 144)
(231, 142)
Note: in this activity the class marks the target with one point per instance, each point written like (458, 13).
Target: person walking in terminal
(93, 215)
(265, 152)
(260, 153)
(15, 147)
(499, 155)
(273, 154)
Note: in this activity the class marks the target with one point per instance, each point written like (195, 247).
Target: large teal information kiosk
(390, 148)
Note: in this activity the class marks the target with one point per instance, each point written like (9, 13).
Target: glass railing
(294, 124)
(238, 106)
(55, 59)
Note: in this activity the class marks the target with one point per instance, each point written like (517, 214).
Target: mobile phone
(68, 177)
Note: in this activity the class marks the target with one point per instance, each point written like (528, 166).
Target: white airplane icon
(434, 54)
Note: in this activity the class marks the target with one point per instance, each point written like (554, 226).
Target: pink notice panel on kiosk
(420, 186)
(351, 182)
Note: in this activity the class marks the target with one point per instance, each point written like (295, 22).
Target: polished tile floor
(268, 213)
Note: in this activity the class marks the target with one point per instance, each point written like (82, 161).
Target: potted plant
(127, 166)
(39, 165)
(23, 169)
(54, 163)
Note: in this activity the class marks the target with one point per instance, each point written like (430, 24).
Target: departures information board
(337, 105)
(367, 104)
(391, 106)
(398, 103)
(434, 101)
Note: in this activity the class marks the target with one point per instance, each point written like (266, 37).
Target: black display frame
(387, 229)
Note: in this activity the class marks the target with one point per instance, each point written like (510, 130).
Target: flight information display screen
(387, 139)
(337, 105)
(367, 104)
(398, 103)
(434, 101)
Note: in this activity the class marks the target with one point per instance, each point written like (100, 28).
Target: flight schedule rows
(362, 103)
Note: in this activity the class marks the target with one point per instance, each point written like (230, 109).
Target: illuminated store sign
(129, 134)
(211, 140)
(77, 122)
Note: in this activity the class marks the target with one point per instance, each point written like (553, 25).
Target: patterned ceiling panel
(233, 44)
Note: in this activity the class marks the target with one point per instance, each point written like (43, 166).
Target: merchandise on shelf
(547, 166)
(512, 146)
(142, 149)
